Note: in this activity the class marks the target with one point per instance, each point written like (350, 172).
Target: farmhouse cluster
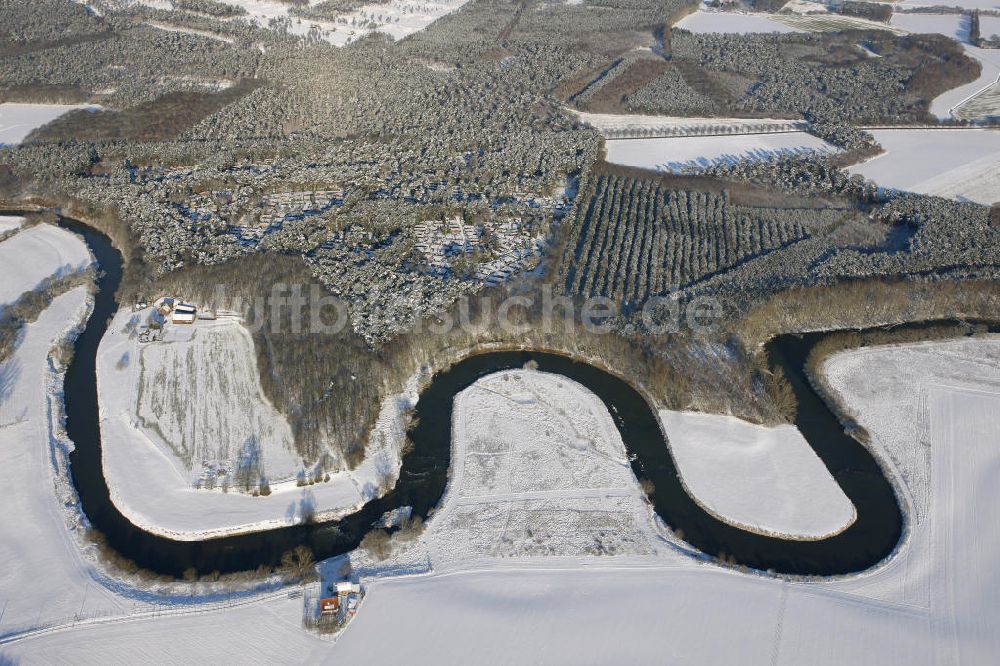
(165, 312)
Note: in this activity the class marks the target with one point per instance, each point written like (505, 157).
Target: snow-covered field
(989, 26)
(32, 255)
(190, 407)
(730, 22)
(963, 4)
(43, 574)
(198, 393)
(802, 16)
(955, 26)
(10, 223)
(618, 124)
(766, 479)
(539, 469)
(902, 419)
(960, 164)
(17, 121)
(694, 152)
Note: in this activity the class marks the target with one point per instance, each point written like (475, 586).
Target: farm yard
(198, 393)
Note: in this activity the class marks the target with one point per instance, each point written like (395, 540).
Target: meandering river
(869, 540)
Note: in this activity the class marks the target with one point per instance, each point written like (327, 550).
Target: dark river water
(872, 537)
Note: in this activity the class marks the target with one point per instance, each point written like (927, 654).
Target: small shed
(183, 314)
(346, 587)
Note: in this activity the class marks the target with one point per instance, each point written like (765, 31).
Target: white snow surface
(17, 121)
(900, 418)
(150, 470)
(10, 223)
(955, 26)
(36, 253)
(989, 26)
(673, 154)
(933, 603)
(538, 469)
(766, 479)
(730, 22)
(964, 4)
(961, 164)
(610, 123)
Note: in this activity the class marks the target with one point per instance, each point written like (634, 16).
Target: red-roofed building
(329, 606)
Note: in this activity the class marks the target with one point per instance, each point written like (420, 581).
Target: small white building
(183, 314)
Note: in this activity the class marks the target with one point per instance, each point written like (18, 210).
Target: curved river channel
(869, 540)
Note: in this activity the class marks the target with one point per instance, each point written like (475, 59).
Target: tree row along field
(637, 238)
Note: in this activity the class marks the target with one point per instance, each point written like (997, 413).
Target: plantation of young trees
(638, 238)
